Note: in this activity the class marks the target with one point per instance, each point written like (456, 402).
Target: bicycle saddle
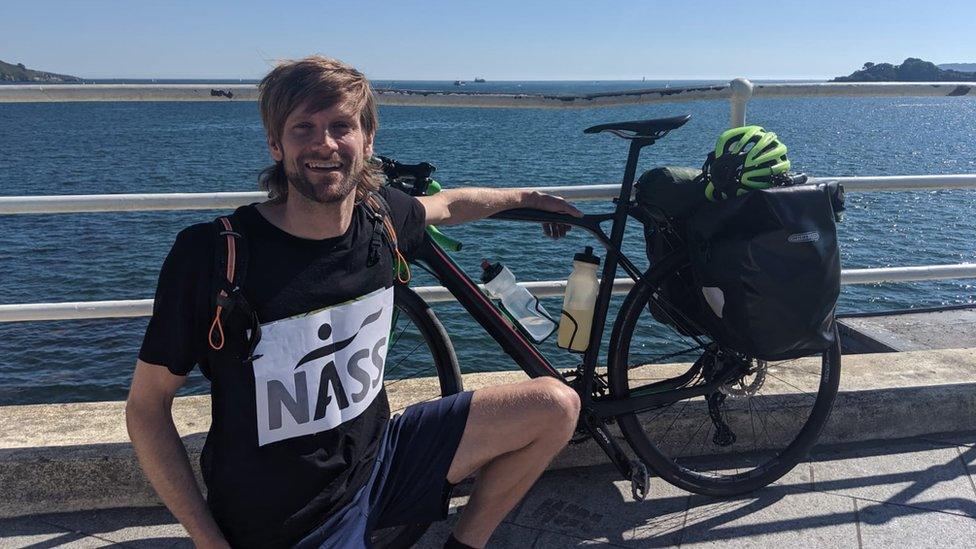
(654, 128)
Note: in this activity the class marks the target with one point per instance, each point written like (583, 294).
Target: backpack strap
(230, 270)
(378, 211)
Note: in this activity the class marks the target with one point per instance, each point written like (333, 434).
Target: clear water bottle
(579, 302)
(523, 307)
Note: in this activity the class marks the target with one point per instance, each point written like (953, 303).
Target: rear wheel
(420, 366)
(756, 428)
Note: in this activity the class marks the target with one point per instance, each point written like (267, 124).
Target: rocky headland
(10, 73)
(911, 70)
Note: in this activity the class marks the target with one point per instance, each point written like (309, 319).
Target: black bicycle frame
(521, 350)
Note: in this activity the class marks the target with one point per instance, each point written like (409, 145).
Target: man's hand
(549, 203)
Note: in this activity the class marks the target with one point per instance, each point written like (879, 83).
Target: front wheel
(755, 429)
(420, 366)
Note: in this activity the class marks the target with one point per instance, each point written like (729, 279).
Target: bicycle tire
(415, 325)
(691, 465)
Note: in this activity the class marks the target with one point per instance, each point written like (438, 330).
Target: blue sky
(499, 40)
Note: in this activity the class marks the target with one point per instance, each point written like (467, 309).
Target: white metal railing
(438, 294)
(12, 205)
(214, 201)
(908, 274)
(230, 200)
(33, 93)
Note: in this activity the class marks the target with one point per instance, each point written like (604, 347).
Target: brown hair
(325, 82)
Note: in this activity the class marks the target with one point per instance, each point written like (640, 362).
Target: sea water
(160, 147)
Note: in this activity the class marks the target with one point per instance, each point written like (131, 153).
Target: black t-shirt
(274, 493)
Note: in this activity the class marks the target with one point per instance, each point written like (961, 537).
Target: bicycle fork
(633, 470)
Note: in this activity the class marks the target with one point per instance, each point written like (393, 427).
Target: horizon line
(471, 80)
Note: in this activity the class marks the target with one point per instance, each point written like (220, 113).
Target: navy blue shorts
(409, 481)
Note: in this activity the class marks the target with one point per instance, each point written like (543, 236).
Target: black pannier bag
(669, 194)
(767, 269)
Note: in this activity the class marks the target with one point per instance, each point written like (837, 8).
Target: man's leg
(512, 433)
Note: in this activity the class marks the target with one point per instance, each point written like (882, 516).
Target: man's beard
(324, 193)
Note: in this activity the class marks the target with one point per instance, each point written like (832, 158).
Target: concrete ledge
(69, 457)
(927, 329)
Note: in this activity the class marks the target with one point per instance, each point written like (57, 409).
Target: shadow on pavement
(836, 497)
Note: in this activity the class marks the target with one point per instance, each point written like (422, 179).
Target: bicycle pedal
(639, 480)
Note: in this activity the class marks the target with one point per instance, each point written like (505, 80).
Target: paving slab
(31, 532)
(69, 541)
(958, 439)
(967, 456)
(883, 526)
(550, 540)
(595, 504)
(916, 473)
(771, 517)
(586, 506)
(134, 527)
(507, 535)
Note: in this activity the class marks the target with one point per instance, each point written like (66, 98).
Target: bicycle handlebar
(443, 240)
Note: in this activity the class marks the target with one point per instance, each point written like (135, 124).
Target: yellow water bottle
(579, 302)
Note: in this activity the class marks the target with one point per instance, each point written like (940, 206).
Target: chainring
(741, 388)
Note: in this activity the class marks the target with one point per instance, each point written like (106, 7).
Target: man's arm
(149, 419)
(454, 206)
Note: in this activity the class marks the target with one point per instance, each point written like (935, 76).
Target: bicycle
(682, 412)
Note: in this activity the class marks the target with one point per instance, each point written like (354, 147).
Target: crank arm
(633, 470)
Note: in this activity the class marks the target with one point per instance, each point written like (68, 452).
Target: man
(327, 479)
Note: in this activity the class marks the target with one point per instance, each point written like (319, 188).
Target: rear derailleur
(723, 433)
(736, 370)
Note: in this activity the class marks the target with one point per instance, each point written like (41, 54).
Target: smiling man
(302, 449)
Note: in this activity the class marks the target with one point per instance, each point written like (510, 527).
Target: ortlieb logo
(811, 236)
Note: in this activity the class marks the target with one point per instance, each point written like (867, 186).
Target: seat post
(630, 174)
(640, 133)
(610, 265)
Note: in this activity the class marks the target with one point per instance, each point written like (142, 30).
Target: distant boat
(479, 80)
(459, 82)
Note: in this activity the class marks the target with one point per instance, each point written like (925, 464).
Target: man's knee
(564, 403)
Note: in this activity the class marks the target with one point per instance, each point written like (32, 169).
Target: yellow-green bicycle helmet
(745, 158)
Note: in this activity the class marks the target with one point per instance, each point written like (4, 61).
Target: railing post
(741, 92)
